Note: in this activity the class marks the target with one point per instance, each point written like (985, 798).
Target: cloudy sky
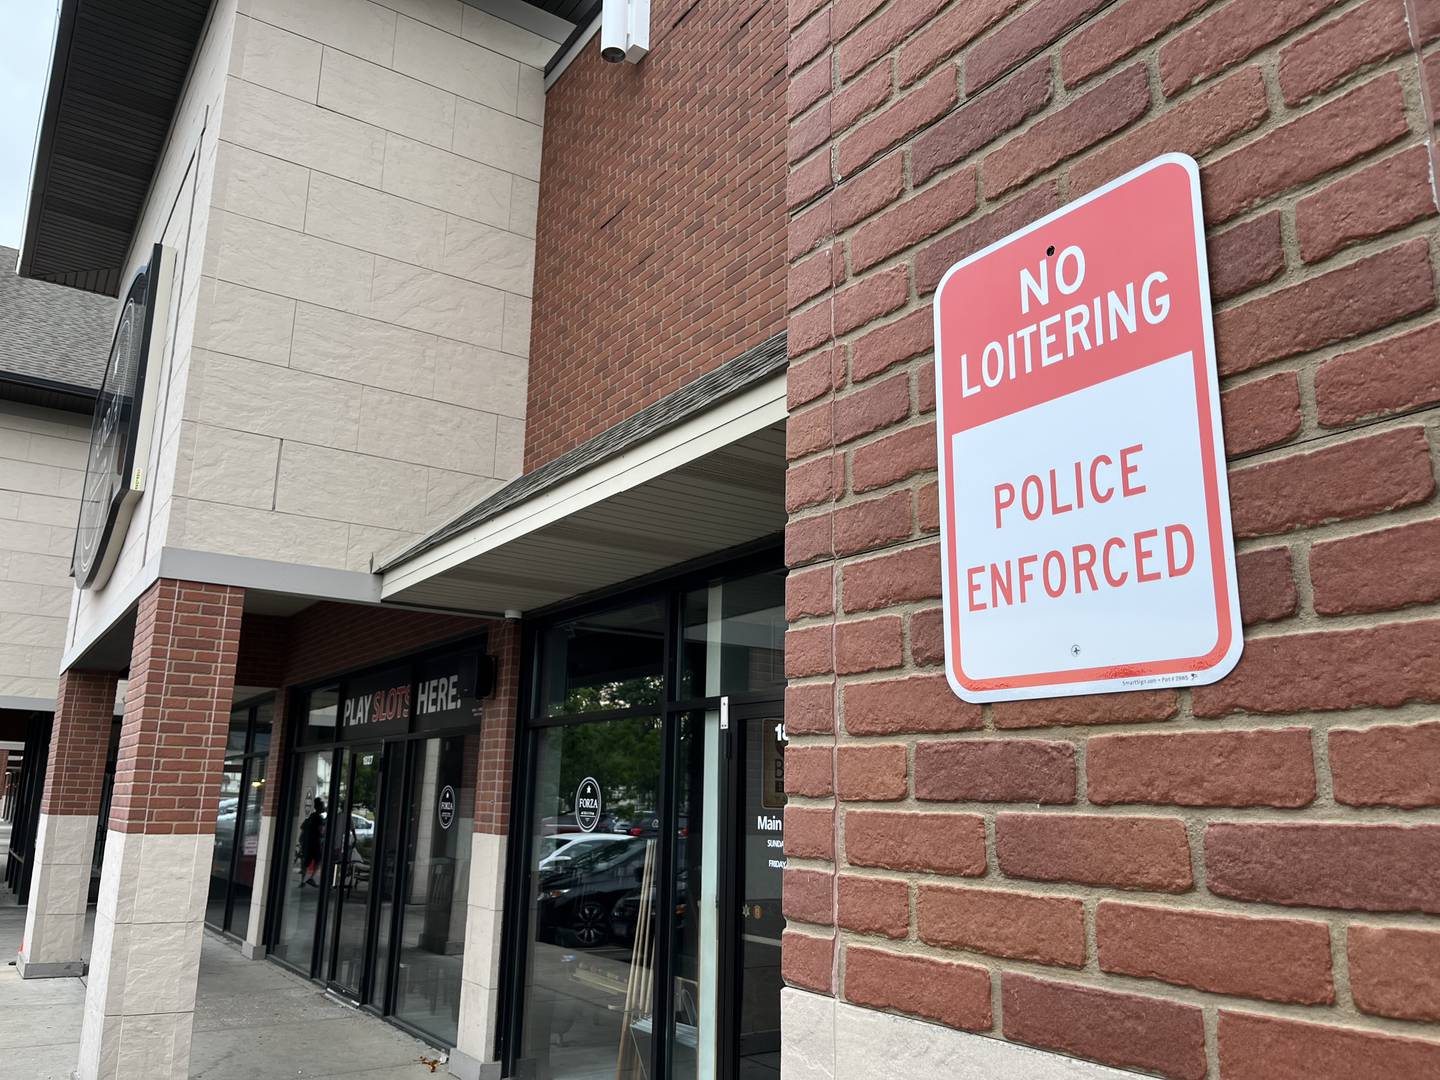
(27, 27)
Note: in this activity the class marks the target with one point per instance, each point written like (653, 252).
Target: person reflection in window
(310, 846)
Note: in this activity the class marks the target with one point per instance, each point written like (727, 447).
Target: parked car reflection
(577, 896)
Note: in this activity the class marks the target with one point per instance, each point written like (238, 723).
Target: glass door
(352, 843)
(304, 853)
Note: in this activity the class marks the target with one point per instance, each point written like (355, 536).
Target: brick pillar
(480, 978)
(140, 1002)
(4, 777)
(65, 834)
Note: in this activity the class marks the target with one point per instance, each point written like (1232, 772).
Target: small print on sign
(1085, 515)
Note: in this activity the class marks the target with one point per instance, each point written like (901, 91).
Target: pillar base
(465, 1067)
(70, 969)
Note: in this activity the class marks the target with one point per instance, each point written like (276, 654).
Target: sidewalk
(253, 1021)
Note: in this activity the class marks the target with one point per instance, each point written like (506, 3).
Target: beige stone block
(260, 534)
(276, 58)
(437, 303)
(37, 569)
(479, 378)
(506, 38)
(516, 337)
(366, 351)
(452, 63)
(807, 1039)
(229, 466)
(244, 322)
(491, 256)
(52, 450)
(25, 536)
(32, 477)
(21, 597)
(247, 396)
(260, 186)
(27, 687)
(452, 493)
(51, 509)
(353, 26)
(306, 134)
(10, 504)
(497, 139)
(509, 447)
(387, 99)
(487, 871)
(370, 546)
(361, 217)
(265, 256)
(482, 946)
(404, 428)
(442, 14)
(42, 630)
(435, 177)
(349, 487)
(530, 101)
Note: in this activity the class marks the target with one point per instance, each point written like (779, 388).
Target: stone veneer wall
(1237, 881)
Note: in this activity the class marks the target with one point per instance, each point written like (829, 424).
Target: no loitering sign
(1085, 515)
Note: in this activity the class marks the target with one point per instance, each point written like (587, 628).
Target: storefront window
(603, 662)
(304, 856)
(734, 637)
(237, 818)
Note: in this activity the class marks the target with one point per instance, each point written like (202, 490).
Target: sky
(26, 30)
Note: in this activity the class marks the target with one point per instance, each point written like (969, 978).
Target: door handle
(335, 876)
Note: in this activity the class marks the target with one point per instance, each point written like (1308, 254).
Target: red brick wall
(497, 734)
(1239, 881)
(177, 708)
(79, 741)
(660, 251)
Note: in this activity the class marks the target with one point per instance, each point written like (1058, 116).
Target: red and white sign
(1085, 516)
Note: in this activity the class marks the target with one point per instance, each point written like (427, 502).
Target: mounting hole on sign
(1050, 250)
(1074, 650)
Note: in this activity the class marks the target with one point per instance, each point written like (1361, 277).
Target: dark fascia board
(47, 393)
(44, 143)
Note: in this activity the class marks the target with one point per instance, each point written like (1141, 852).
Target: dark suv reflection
(576, 900)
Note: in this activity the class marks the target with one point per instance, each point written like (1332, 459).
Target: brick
(953, 994)
(1119, 32)
(807, 960)
(895, 578)
(1267, 585)
(808, 133)
(808, 431)
(1395, 971)
(797, 11)
(945, 36)
(1377, 571)
(1201, 123)
(807, 86)
(808, 771)
(872, 773)
(1427, 20)
(982, 120)
(927, 637)
(996, 770)
(1245, 256)
(913, 220)
(874, 523)
(808, 228)
(1365, 295)
(809, 651)
(811, 328)
(807, 895)
(867, 299)
(1395, 375)
(1315, 864)
(808, 42)
(1034, 30)
(1325, 57)
(1202, 768)
(861, 96)
(1140, 707)
(1271, 959)
(1339, 483)
(809, 592)
(1110, 107)
(881, 35)
(815, 481)
(927, 508)
(901, 119)
(1337, 133)
(1376, 200)
(872, 190)
(1231, 34)
(846, 15)
(1124, 1030)
(1387, 765)
(916, 703)
(1013, 925)
(1261, 414)
(810, 708)
(872, 408)
(1121, 852)
(813, 377)
(869, 645)
(894, 458)
(940, 254)
(875, 905)
(883, 347)
(1382, 666)
(1270, 1048)
(809, 831)
(900, 840)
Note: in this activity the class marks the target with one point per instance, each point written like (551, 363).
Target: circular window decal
(446, 808)
(587, 804)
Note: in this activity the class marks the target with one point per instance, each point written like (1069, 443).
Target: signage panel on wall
(116, 467)
(1085, 515)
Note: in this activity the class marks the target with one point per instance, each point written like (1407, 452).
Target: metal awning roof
(700, 471)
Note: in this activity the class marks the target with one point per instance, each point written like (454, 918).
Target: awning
(698, 472)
